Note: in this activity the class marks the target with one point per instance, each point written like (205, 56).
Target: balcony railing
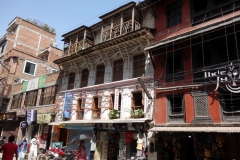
(73, 48)
(117, 31)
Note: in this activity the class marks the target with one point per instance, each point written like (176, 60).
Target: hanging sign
(67, 108)
(31, 116)
(23, 124)
(227, 75)
(43, 118)
(11, 116)
(116, 98)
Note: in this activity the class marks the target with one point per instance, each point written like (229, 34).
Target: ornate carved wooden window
(71, 80)
(100, 74)
(174, 13)
(48, 95)
(118, 70)
(138, 65)
(31, 98)
(175, 105)
(17, 100)
(84, 80)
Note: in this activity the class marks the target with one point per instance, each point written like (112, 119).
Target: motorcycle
(41, 154)
(55, 153)
(70, 154)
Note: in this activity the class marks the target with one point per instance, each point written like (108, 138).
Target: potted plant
(113, 114)
(95, 115)
(137, 113)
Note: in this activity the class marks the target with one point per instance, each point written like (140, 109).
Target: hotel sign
(227, 75)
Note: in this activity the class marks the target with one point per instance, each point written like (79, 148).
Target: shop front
(189, 143)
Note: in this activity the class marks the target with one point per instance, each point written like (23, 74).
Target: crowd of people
(23, 146)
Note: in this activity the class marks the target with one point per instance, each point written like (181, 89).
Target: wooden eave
(118, 10)
(126, 40)
(79, 29)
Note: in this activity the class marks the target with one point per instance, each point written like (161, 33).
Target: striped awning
(196, 129)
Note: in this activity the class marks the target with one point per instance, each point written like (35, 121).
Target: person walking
(22, 148)
(33, 147)
(9, 149)
(82, 154)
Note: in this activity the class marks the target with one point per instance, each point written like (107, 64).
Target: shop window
(48, 95)
(118, 70)
(16, 102)
(100, 74)
(31, 98)
(71, 80)
(80, 109)
(84, 80)
(30, 68)
(138, 65)
(174, 13)
(175, 105)
(230, 104)
(174, 66)
(200, 5)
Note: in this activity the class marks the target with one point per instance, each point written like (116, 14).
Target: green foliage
(137, 113)
(113, 114)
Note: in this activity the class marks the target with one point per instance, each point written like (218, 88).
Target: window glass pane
(30, 68)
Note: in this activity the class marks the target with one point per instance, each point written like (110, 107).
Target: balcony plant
(137, 113)
(113, 114)
(95, 116)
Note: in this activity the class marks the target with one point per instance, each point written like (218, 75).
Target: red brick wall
(161, 21)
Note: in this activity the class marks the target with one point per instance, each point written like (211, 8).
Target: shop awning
(196, 129)
(139, 120)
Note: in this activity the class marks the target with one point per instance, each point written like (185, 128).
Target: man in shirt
(9, 149)
(33, 147)
(22, 148)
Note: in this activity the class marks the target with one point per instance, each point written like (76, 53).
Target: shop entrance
(113, 145)
(189, 148)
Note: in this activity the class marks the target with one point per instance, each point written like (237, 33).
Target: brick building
(196, 57)
(27, 53)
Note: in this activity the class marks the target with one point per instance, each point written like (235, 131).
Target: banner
(41, 82)
(32, 84)
(67, 108)
(24, 86)
(116, 98)
(43, 118)
(31, 116)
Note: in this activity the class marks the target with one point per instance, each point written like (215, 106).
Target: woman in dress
(82, 154)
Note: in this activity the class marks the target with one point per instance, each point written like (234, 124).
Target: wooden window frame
(17, 101)
(84, 80)
(99, 74)
(33, 100)
(48, 95)
(87, 101)
(138, 68)
(79, 109)
(71, 80)
(109, 101)
(176, 7)
(119, 100)
(134, 106)
(116, 73)
(95, 107)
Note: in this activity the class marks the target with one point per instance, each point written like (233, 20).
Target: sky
(62, 15)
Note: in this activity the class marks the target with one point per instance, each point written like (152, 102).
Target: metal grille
(201, 106)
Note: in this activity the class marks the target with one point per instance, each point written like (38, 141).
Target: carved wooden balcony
(80, 45)
(119, 30)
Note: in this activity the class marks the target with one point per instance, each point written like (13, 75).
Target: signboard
(43, 118)
(31, 116)
(227, 75)
(23, 124)
(32, 84)
(41, 82)
(67, 108)
(24, 86)
(116, 98)
(11, 116)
